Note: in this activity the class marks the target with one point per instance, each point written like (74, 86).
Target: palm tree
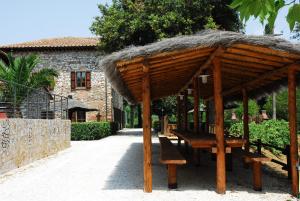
(19, 78)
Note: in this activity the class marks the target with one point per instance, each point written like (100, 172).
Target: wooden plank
(207, 117)
(147, 131)
(178, 112)
(169, 154)
(250, 59)
(292, 108)
(204, 66)
(196, 104)
(260, 55)
(257, 181)
(254, 157)
(219, 121)
(185, 111)
(246, 119)
(244, 68)
(247, 64)
(180, 52)
(266, 50)
(172, 176)
(256, 81)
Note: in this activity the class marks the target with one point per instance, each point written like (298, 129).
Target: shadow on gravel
(132, 132)
(128, 174)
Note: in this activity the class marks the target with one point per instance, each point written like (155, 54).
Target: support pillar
(293, 129)
(178, 113)
(196, 105)
(147, 130)
(185, 112)
(246, 119)
(207, 117)
(219, 126)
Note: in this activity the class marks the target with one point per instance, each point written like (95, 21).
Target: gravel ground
(111, 169)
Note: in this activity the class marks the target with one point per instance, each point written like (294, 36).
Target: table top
(205, 140)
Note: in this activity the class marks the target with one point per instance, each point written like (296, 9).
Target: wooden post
(219, 123)
(207, 117)
(293, 129)
(185, 112)
(132, 107)
(172, 174)
(147, 131)
(178, 113)
(196, 105)
(257, 184)
(246, 119)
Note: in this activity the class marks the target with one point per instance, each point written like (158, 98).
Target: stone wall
(66, 61)
(26, 140)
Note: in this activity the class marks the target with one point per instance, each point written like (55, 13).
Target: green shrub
(92, 130)
(273, 132)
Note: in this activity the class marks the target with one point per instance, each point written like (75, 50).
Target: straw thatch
(203, 39)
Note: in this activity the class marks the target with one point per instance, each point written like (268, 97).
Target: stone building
(80, 76)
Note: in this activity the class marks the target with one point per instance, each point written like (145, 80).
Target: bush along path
(275, 132)
(92, 130)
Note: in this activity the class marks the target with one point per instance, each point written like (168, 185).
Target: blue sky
(26, 20)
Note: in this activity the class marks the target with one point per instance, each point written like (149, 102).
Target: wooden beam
(206, 65)
(196, 104)
(147, 130)
(257, 80)
(219, 123)
(185, 111)
(178, 113)
(246, 119)
(293, 129)
(207, 117)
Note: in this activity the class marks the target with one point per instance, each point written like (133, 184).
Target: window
(80, 80)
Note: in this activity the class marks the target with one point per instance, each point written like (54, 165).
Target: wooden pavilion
(239, 67)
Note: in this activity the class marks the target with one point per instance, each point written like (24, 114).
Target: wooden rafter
(217, 52)
(265, 76)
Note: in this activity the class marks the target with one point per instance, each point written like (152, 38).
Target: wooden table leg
(172, 174)
(229, 162)
(186, 147)
(178, 143)
(196, 156)
(257, 184)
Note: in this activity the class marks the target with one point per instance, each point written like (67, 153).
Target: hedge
(274, 132)
(92, 130)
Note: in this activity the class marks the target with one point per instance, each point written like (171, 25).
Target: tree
(253, 109)
(282, 105)
(139, 22)
(267, 11)
(18, 78)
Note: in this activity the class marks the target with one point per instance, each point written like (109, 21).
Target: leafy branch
(267, 10)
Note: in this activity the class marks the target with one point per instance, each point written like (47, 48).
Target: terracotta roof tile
(65, 42)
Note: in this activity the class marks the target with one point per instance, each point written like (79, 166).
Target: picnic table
(205, 140)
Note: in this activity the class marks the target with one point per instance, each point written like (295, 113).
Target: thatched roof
(122, 68)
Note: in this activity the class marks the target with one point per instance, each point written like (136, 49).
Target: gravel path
(111, 169)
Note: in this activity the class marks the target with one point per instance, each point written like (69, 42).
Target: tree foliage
(19, 77)
(282, 105)
(267, 10)
(139, 22)
(274, 132)
(253, 109)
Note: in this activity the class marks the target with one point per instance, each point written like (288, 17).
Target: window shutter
(73, 80)
(88, 79)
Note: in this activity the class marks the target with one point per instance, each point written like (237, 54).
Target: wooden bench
(256, 161)
(171, 157)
